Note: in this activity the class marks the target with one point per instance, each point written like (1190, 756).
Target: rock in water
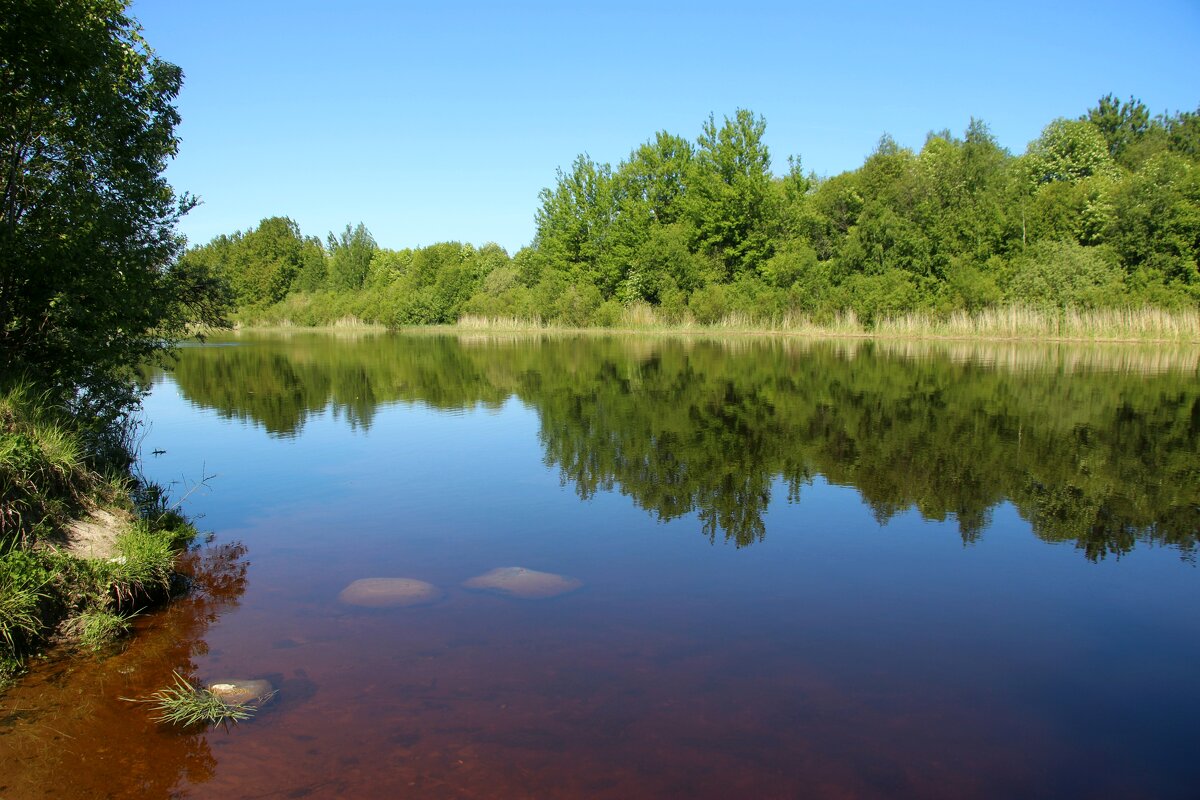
(234, 693)
(526, 583)
(387, 592)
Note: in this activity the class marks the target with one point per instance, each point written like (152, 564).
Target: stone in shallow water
(527, 583)
(387, 592)
(237, 692)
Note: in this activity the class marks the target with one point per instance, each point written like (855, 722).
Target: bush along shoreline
(84, 545)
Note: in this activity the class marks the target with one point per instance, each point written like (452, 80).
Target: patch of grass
(42, 466)
(23, 593)
(143, 564)
(185, 705)
(19, 618)
(98, 627)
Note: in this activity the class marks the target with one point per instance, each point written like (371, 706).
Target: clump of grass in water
(98, 627)
(187, 706)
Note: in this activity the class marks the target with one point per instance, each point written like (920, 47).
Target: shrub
(1060, 275)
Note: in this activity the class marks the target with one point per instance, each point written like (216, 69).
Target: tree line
(1100, 211)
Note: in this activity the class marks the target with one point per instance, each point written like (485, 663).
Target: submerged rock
(385, 592)
(526, 583)
(236, 692)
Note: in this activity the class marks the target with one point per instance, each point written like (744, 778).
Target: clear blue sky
(442, 120)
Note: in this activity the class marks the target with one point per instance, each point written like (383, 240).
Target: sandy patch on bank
(96, 536)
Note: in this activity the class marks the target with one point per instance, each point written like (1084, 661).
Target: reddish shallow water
(483, 696)
(834, 656)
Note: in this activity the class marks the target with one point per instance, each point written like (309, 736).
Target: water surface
(809, 569)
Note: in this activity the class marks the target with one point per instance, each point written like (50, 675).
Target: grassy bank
(1007, 323)
(83, 545)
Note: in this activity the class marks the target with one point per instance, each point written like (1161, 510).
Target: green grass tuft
(98, 627)
(143, 564)
(19, 617)
(186, 706)
(25, 585)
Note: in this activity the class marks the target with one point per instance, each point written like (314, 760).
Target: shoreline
(85, 544)
(719, 331)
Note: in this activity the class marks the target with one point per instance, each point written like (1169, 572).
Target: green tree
(350, 257)
(1068, 150)
(575, 224)
(1121, 124)
(1060, 275)
(313, 273)
(268, 259)
(1183, 133)
(729, 193)
(1155, 224)
(654, 178)
(650, 188)
(87, 219)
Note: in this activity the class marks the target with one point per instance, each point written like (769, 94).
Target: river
(821, 569)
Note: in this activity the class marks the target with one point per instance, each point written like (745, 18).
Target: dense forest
(684, 426)
(1101, 211)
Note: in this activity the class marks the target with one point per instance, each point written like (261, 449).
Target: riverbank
(1009, 323)
(84, 546)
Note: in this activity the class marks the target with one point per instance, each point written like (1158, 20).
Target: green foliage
(1155, 222)
(48, 477)
(972, 286)
(91, 288)
(99, 627)
(143, 564)
(1183, 133)
(1068, 150)
(1122, 124)
(1061, 275)
(87, 220)
(22, 590)
(43, 472)
(350, 257)
(729, 197)
(1100, 211)
(262, 264)
(880, 294)
(576, 224)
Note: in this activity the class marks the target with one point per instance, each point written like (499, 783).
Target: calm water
(823, 570)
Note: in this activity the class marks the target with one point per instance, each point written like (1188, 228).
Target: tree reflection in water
(1093, 446)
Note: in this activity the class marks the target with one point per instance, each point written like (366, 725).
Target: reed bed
(1008, 323)
(1022, 322)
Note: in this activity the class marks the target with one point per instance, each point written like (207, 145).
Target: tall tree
(729, 192)
(87, 219)
(576, 220)
(350, 257)
(1120, 123)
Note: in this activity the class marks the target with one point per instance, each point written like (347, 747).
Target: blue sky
(442, 121)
